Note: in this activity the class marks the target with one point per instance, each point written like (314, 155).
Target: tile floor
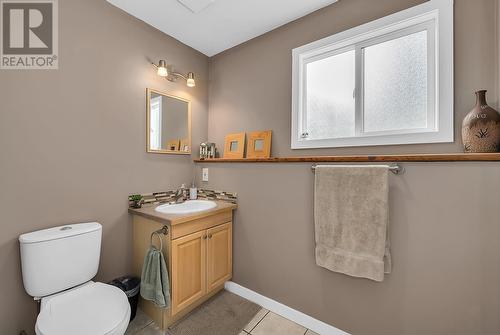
(268, 323)
(263, 323)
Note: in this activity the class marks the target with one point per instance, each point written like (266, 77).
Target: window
(387, 82)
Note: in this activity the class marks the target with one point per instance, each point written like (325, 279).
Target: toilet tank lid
(59, 232)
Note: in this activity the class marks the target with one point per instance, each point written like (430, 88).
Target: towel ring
(157, 233)
(159, 238)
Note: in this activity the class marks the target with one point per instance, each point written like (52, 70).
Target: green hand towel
(154, 279)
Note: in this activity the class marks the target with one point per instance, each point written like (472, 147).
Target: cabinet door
(188, 270)
(219, 255)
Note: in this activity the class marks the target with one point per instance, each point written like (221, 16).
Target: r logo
(29, 28)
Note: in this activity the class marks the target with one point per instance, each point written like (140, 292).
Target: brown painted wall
(250, 87)
(444, 233)
(498, 51)
(72, 141)
(444, 217)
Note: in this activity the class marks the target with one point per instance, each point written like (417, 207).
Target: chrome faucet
(180, 195)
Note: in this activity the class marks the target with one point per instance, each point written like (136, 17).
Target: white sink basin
(187, 207)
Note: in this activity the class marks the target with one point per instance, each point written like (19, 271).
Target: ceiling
(212, 26)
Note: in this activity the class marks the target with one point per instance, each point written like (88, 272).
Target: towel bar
(396, 169)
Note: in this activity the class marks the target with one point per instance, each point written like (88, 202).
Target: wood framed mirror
(168, 123)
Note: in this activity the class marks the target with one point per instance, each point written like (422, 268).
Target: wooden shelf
(459, 157)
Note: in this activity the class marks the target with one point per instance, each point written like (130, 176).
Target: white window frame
(436, 17)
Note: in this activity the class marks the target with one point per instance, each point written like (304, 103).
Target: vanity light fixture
(166, 71)
(190, 80)
(162, 68)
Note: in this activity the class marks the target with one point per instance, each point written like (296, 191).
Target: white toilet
(58, 265)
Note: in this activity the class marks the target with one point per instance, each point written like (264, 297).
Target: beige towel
(351, 220)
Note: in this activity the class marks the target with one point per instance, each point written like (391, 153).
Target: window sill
(458, 157)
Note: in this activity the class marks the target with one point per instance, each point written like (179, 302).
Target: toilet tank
(59, 258)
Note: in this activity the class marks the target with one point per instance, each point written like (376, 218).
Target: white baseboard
(285, 311)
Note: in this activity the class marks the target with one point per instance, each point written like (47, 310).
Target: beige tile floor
(264, 323)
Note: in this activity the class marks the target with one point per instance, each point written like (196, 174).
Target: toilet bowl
(93, 308)
(58, 265)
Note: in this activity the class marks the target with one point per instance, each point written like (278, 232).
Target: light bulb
(190, 80)
(162, 69)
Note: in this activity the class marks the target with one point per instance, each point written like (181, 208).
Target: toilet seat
(90, 309)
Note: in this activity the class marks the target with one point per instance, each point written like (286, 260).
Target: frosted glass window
(386, 82)
(395, 84)
(330, 101)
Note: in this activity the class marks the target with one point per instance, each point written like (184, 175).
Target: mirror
(259, 145)
(168, 123)
(234, 146)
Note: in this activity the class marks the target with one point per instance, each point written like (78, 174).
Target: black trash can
(131, 286)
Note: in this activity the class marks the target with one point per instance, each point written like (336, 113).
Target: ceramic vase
(481, 127)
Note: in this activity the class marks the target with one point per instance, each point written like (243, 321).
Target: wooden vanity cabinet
(189, 267)
(199, 258)
(219, 255)
(201, 263)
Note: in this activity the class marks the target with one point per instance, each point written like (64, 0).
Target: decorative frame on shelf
(259, 144)
(234, 145)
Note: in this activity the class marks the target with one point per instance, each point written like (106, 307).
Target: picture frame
(173, 145)
(234, 146)
(259, 144)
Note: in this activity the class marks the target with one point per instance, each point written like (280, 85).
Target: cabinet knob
(204, 237)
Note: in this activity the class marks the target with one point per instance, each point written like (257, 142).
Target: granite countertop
(148, 211)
